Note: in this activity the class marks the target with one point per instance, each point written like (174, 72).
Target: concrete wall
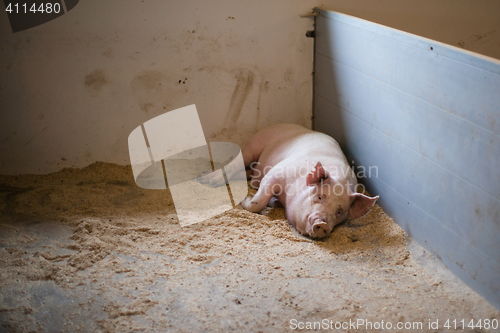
(71, 90)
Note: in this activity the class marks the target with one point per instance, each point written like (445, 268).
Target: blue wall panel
(427, 115)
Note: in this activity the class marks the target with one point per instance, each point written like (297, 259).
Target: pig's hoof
(274, 203)
(247, 203)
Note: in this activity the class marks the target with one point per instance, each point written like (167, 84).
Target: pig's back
(270, 137)
(275, 133)
(290, 141)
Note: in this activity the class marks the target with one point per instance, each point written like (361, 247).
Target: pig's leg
(260, 200)
(251, 153)
(257, 144)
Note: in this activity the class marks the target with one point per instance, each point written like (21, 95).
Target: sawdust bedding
(88, 250)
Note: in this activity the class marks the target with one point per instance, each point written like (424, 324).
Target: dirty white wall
(470, 24)
(71, 90)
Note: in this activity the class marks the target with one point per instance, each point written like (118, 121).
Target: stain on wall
(475, 41)
(34, 136)
(147, 89)
(244, 83)
(156, 92)
(95, 81)
(109, 53)
(288, 76)
(263, 88)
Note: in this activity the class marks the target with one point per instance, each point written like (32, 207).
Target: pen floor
(87, 250)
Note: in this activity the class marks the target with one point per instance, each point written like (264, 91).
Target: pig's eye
(320, 198)
(339, 212)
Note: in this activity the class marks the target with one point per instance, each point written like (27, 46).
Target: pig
(307, 173)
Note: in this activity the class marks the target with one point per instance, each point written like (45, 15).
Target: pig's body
(308, 173)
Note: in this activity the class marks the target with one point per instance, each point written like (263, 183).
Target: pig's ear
(361, 204)
(316, 175)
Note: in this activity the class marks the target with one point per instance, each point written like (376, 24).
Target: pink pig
(308, 174)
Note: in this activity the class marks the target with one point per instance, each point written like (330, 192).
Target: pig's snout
(320, 229)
